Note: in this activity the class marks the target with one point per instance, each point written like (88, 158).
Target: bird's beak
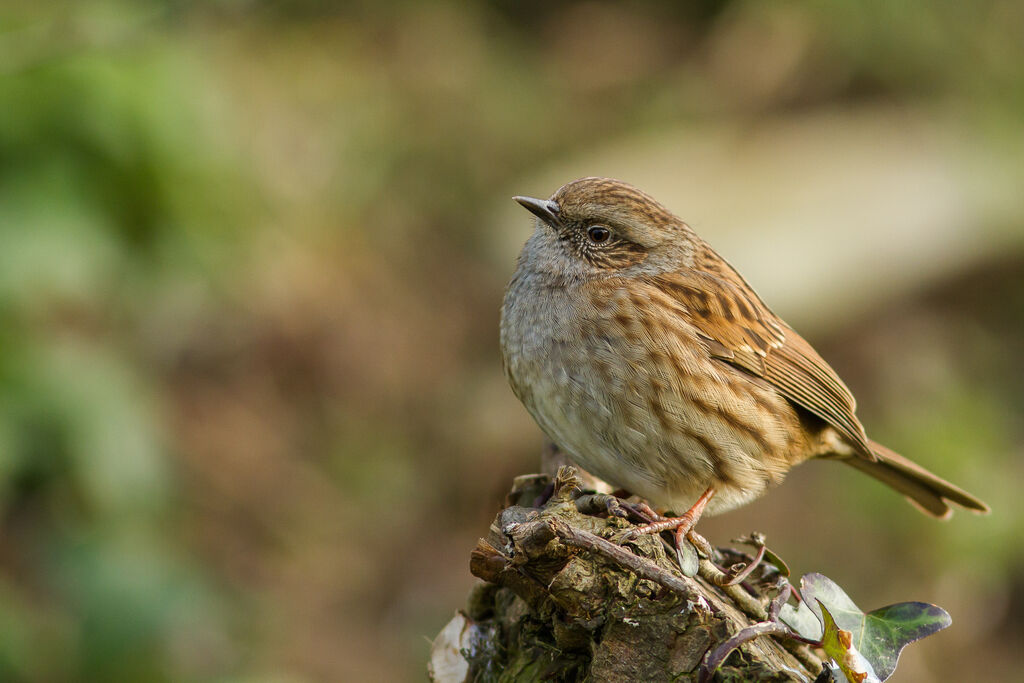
(544, 209)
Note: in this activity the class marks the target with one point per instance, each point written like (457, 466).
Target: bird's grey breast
(536, 330)
(549, 352)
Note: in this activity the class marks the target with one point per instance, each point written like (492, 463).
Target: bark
(564, 597)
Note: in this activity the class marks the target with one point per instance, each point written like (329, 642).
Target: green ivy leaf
(896, 626)
(779, 563)
(879, 635)
(802, 620)
(838, 644)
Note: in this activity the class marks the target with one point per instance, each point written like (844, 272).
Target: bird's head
(595, 227)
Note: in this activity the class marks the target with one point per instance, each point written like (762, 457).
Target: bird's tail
(930, 493)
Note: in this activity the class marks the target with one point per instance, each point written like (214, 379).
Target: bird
(651, 361)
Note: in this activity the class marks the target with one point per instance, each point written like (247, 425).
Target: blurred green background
(252, 414)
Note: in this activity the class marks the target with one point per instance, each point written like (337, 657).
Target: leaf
(838, 644)
(448, 662)
(779, 563)
(687, 557)
(879, 635)
(899, 625)
(802, 620)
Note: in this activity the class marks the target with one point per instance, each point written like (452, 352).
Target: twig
(802, 652)
(745, 570)
(785, 590)
(754, 609)
(750, 605)
(638, 565)
(714, 658)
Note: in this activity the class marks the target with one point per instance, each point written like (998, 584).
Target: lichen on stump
(563, 599)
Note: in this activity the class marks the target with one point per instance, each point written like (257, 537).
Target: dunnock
(645, 356)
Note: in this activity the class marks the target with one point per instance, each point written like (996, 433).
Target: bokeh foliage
(251, 410)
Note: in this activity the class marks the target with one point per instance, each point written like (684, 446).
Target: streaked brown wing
(739, 329)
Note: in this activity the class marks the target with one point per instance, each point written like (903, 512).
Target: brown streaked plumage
(651, 361)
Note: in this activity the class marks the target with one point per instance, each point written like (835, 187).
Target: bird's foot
(686, 552)
(682, 524)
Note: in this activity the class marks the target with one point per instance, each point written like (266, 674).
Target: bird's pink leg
(684, 524)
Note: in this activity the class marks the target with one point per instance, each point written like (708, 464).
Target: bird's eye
(598, 234)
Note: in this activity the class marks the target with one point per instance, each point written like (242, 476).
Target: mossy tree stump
(565, 598)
